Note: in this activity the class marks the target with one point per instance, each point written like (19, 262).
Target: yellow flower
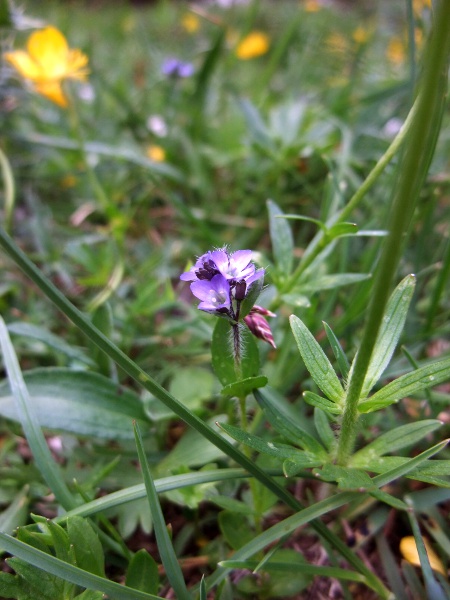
(395, 51)
(254, 44)
(47, 61)
(190, 23)
(311, 6)
(360, 35)
(156, 153)
(420, 5)
(409, 550)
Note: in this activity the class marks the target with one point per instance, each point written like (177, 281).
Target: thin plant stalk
(420, 145)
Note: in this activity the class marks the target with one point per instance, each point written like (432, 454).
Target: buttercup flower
(172, 67)
(254, 44)
(47, 62)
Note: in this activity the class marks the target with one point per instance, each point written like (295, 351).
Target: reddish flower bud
(258, 325)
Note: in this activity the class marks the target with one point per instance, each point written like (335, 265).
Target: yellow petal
(26, 66)
(253, 45)
(156, 153)
(53, 91)
(76, 63)
(409, 550)
(191, 23)
(49, 49)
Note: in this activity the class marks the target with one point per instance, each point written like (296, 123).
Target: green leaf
(276, 410)
(280, 451)
(235, 529)
(395, 439)
(77, 401)
(251, 297)
(316, 362)
(341, 229)
(87, 546)
(50, 565)
(46, 586)
(282, 240)
(142, 573)
(244, 386)
(17, 512)
(165, 548)
(89, 595)
(389, 333)
(256, 126)
(324, 430)
(340, 355)
(408, 384)
(322, 403)
(346, 478)
(222, 353)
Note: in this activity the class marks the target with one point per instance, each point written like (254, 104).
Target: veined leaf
(406, 385)
(316, 362)
(341, 358)
(322, 403)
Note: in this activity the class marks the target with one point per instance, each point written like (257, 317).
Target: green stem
(413, 167)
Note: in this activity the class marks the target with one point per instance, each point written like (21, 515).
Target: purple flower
(173, 67)
(222, 280)
(213, 293)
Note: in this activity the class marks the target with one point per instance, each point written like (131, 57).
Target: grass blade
(35, 438)
(165, 547)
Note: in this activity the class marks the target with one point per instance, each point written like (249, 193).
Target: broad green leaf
(142, 573)
(324, 430)
(46, 586)
(165, 547)
(316, 362)
(406, 385)
(244, 387)
(389, 333)
(330, 282)
(276, 411)
(280, 451)
(341, 358)
(322, 403)
(232, 505)
(256, 126)
(80, 402)
(395, 439)
(282, 240)
(222, 353)
(87, 546)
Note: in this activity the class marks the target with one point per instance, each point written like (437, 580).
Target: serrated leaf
(316, 362)
(244, 387)
(222, 353)
(77, 401)
(275, 410)
(395, 439)
(142, 573)
(406, 385)
(281, 239)
(389, 334)
(322, 403)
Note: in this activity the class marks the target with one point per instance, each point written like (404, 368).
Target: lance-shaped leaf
(316, 362)
(282, 240)
(389, 333)
(406, 385)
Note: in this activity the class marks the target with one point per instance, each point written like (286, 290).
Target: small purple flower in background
(175, 68)
(222, 280)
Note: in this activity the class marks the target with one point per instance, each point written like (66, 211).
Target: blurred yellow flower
(395, 51)
(156, 153)
(190, 23)
(360, 35)
(254, 44)
(311, 5)
(47, 61)
(420, 5)
(409, 550)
